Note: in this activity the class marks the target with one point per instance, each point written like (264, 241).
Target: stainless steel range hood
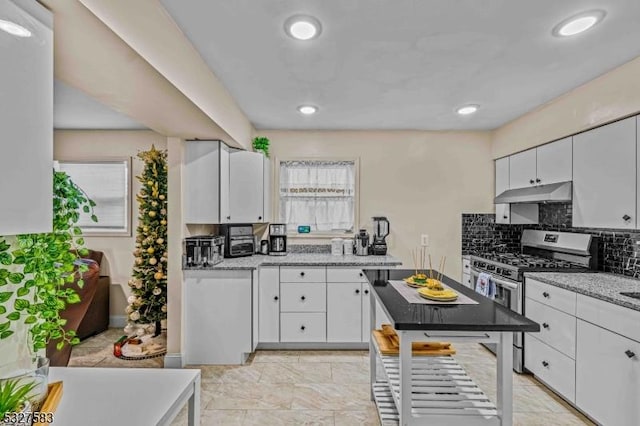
(551, 193)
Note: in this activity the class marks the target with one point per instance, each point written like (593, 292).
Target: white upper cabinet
(201, 201)
(223, 185)
(554, 162)
(26, 121)
(267, 179)
(604, 176)
(522, 169)
(246, 203)
(502, 175)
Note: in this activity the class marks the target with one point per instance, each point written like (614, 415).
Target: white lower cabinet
(551, 366)
(607, 376)
(217, 317)
(344, 312)
(366, 312)
(269, 305)
(557, 329)
(303, 297)
(303, 327)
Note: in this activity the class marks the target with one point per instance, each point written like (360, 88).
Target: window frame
(293, 234)
(129, 196)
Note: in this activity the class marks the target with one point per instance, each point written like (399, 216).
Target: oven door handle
(498, 281)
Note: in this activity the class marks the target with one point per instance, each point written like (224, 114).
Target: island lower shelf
(441, 391)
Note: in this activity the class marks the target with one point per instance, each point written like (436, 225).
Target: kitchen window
(108, 184)
(321, 194)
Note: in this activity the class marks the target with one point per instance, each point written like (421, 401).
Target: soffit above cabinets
(403, 64)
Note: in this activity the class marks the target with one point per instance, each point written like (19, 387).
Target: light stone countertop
(599, 285)
(303, 259)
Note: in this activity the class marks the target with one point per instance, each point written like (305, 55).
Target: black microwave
(238, 240)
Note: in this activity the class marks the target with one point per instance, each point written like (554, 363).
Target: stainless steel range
(540, 251)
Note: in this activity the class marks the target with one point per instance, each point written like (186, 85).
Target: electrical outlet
(424, 240)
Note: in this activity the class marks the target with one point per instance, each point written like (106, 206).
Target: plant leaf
(14, 316)
(31, 319)
(5, 295)
(22, 291)
(6, 334)
(73, 298)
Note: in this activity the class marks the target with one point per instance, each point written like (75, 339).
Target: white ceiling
(403, 64)
(73, 109)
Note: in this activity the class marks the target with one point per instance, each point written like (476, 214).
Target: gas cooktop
(527, 261)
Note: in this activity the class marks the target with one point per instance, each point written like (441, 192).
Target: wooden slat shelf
(440, 389)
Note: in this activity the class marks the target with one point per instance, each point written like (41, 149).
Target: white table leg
(372, 352)
(194, 404)
(505, 379)
(405, 378)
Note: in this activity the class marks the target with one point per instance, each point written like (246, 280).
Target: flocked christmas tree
(148, 300)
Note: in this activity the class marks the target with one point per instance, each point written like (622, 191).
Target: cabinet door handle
(357, 291)
(228, 217)
(366, 292)
(531, 181)
(545, 325)
(545, 364)
(275, 298)
(505, 217)
(538, 180)
(361, 274)
(545, 294)
(303, 298)
(629, 353)
(626, 217)
(302, 327)
(259, 217)
(302, 274)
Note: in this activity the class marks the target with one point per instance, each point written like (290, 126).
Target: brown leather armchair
(91, 315)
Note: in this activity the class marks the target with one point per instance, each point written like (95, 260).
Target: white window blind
(107, 184)
(321, 194)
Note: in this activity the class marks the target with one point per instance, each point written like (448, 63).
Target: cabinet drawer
(466, 280)
(295, 327)
(559, 298)
(303, 297)
(350, 275)
(557, 329)
(552, 367)
(466, 266)
(607, 315)
(309, 274)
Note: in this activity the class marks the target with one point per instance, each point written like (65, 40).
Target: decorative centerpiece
(429, 285)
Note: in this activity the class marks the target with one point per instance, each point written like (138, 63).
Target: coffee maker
(380, 232)
(277, 239)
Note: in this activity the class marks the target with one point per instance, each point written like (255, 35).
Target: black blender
(380, 232)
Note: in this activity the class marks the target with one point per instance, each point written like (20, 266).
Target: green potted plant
(35, 270)
(15, 398)
(261, 144)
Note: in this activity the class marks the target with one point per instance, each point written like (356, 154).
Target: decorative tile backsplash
(620, 249)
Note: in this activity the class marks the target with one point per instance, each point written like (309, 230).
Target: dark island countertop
(485, 316)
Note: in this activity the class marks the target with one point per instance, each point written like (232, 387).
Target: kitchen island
(436, 390)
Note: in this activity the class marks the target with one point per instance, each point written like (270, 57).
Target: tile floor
(322, 387)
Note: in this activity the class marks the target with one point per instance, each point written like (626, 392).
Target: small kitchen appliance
(380, 232)
(238, 240)
(278, 239)
(264, 247)
(540, 251)
(203, 250)
(362, 243)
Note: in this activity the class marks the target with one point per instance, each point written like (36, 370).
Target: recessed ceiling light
(14, 29)
(467, 109)
(303, 27)
(578, 23)
(307, 109)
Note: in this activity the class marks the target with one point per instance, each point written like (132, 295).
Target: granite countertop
(599, 285)
(487, 315)
(302, 259)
